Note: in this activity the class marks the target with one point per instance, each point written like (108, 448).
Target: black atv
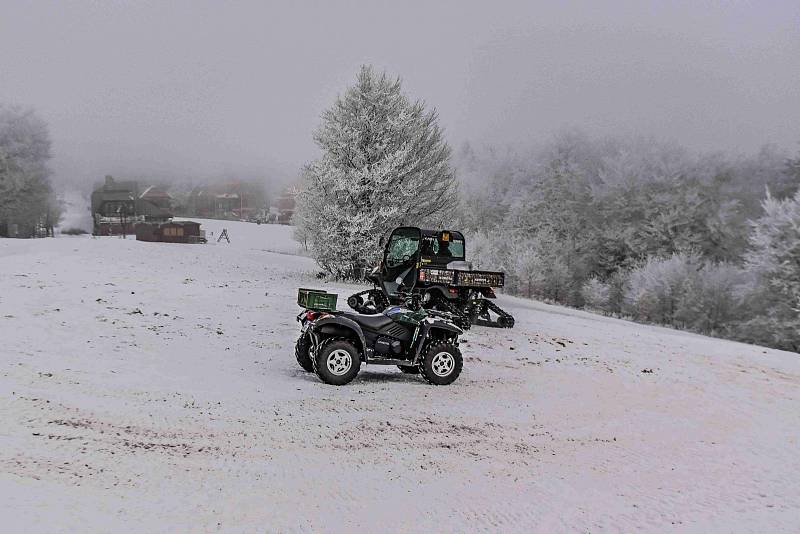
(431, 264)
(333, 344)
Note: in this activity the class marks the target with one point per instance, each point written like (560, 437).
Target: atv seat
(372, 322)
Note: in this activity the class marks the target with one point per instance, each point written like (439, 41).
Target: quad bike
(431, 264)
(333, 344)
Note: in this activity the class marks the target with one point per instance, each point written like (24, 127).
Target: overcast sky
(208, 88)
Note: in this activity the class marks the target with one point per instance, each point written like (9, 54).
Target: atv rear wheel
(442, 364)
(302, 353)
(409, 369)
(337, 362)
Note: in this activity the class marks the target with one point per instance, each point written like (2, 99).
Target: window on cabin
(171, 231)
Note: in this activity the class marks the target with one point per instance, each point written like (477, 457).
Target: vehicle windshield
(402, 247)
(433, 246)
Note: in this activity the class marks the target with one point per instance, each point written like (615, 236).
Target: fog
(192, 90)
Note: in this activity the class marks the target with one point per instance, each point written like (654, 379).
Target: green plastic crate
(316, 299)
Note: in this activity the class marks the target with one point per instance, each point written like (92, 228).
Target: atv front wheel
(302, 354)
(442, 364)
(409, 369)
(337, 362)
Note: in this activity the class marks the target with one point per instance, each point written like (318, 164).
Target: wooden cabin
(171, 232)
(117, 206)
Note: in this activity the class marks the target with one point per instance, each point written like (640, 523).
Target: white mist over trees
(645, 230)
(28, 205)
(384, 164)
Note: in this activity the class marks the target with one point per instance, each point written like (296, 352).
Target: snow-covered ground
(152, 387)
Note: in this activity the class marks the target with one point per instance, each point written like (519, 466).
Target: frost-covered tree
(774, 262)
(384, 163)
(597, 295)
(683, 291)
(710, 303)
(26, 196)
(657, 288)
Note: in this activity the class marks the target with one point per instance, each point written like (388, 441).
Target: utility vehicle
(432, 264)
(333, 344)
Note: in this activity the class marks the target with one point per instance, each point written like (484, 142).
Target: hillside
(154, 386)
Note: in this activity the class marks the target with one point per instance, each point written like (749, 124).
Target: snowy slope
(152, 387)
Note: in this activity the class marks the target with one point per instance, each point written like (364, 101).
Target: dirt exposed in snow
(153, 387)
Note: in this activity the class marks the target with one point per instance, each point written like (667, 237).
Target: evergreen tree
(384, 164)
